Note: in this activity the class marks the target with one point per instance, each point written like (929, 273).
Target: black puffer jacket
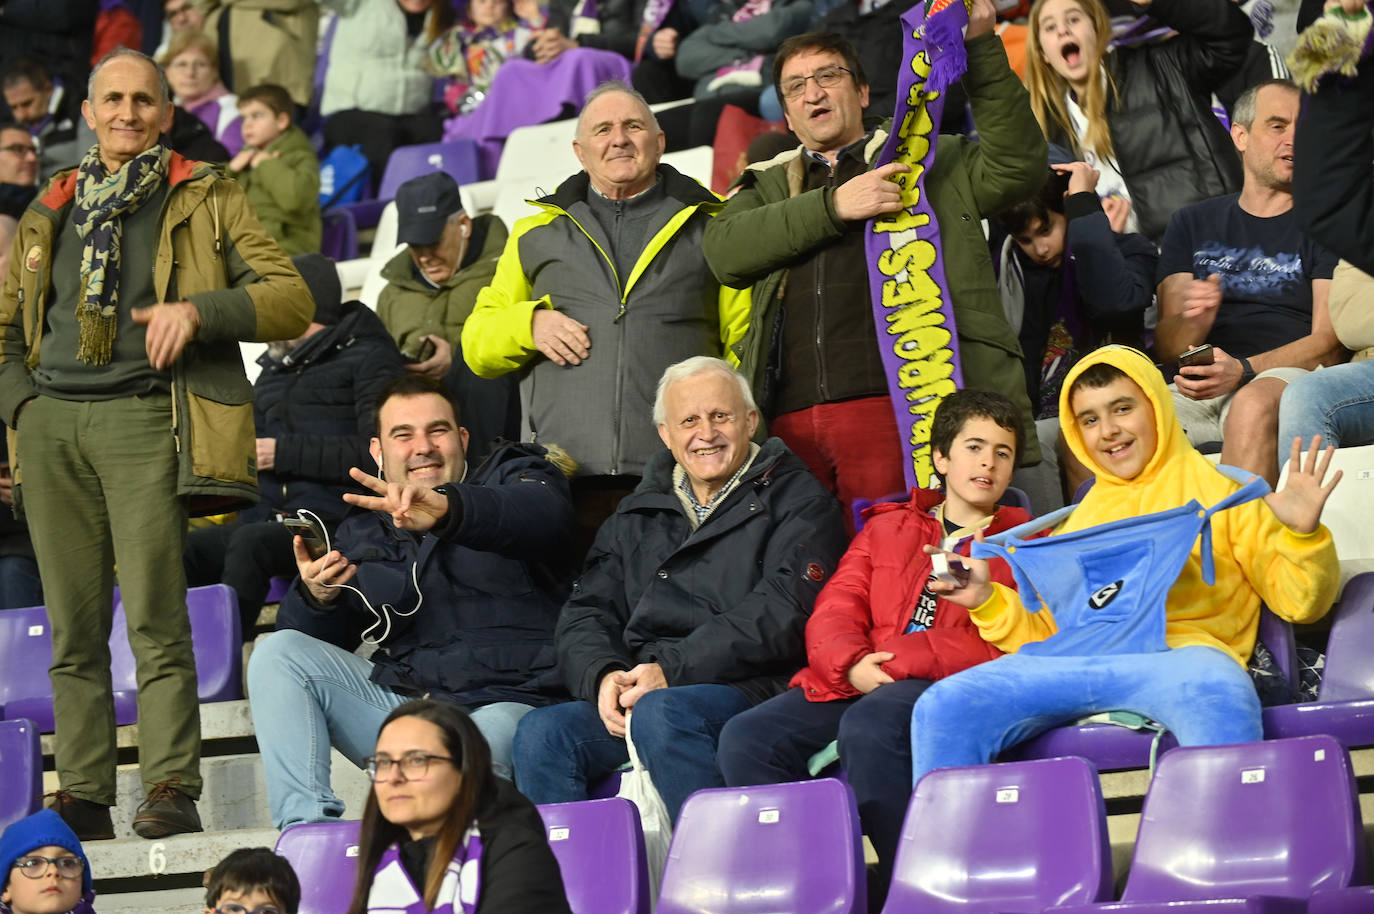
(492, 575)
(726, 603)
(318, 405)
(1171, 149)
(618, 21)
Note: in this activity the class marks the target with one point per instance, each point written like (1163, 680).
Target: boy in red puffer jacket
(878, 636)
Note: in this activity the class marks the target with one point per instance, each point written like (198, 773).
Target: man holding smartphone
(454, 573)
(312, 407)
(1243, 293)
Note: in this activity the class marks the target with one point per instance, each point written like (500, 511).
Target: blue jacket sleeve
(525, 512)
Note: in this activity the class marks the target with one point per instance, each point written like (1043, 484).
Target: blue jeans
(307, 695)
(20, 586)
(559, 750)
(1336, 403)
(1199, 693)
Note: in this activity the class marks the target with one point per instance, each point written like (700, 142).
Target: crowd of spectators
(606, 459)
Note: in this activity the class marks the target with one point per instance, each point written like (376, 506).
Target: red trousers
(851, 446)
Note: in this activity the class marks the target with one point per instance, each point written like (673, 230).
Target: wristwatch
(1247, 372)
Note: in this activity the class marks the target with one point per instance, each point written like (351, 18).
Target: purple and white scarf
(393, 893)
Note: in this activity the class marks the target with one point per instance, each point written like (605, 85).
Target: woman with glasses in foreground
(46, 871)
(441, 833)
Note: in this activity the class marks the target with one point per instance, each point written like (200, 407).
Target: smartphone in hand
(310, 532)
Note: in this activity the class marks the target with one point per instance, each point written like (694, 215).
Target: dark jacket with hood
(491, 576)
(1332, 151)
(725, 603)
(1170, 148)
(318, 403)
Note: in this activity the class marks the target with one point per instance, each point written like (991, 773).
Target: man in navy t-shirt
(1237, 272)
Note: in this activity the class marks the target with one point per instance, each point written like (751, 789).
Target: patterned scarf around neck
(102, 200)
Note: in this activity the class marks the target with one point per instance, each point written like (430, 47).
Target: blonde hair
(181, 42)
(1048, 89)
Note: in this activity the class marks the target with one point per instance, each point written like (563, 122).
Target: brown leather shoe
(91, 821)
(166, 811)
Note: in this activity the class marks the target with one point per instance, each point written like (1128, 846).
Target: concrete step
(234, 795)
(219, 721)
(136, 858)
(165, 901)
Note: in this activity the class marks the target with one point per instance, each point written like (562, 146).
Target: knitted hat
(322, 279)
(44, 828)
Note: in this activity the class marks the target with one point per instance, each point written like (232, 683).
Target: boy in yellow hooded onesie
(1184, 667)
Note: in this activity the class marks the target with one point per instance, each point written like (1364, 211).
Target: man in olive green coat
(431, 288)
(123, 388)
(795, 231)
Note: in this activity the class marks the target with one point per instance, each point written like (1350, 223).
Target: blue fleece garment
(1107, 586)
(1199, 693)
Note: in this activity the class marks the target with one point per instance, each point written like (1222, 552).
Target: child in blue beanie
(46, 871)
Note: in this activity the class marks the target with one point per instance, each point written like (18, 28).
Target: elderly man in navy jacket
(693, 601)
(454, 575)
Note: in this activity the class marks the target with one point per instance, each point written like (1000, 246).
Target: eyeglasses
(825, 77)
(36, 867)
(414, 765)
(232, 908)
(20, 149)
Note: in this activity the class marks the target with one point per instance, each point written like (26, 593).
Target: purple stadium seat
(325, 858)
(278, 589)
(1254, 827)
(21, 760)
(1345, 704)
(25, 655)
(600, 851)
(1359, 900)
(457, 157)
(1108, 746)
(1013, 497)
(606, 787)
(759, 850)
(215, 639)
(1003, 838)
(339, 240)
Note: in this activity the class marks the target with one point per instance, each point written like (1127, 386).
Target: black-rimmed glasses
(36, 867)
(414, 765)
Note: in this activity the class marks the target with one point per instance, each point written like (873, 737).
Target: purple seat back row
(1253, 827)
(325, 858)
(21, 770)
(1003, 838)
(760, 850)
(600, 849)
(26, 654)
(1345, 705)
